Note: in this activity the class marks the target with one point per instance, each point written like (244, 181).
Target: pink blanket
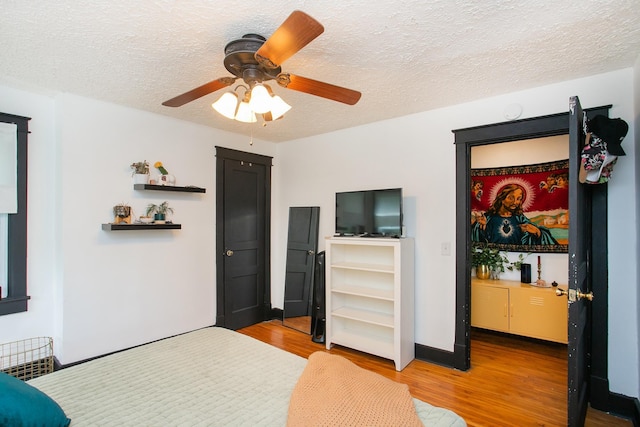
(333, 391)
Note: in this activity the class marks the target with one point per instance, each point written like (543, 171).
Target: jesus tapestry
(521, 208)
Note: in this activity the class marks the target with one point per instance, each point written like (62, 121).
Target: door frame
(222, 154)
(537, 127)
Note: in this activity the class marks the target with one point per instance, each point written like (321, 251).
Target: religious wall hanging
(521, 208)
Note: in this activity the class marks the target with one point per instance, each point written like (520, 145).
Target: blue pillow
(22, 404)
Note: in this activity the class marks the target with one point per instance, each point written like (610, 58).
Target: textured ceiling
(405, 57)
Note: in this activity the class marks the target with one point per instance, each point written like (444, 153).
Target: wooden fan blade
(294, 34)
(314, 87)
(199, 92)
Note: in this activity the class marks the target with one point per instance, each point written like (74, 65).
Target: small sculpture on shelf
(122, 214)
(159, 212)
(145, 219)
(165, 177)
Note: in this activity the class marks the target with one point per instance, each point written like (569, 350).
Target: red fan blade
(199, 92)
(294, 34)
(314, 87)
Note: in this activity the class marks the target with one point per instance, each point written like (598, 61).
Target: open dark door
(579, 287)
(242, 197)
(302, 246)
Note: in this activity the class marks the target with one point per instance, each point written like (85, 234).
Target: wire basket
(28, 358)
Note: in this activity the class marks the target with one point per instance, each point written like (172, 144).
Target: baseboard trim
(617, 404)
(599, 395)
(624, 406)
(276, 313)
(56, 364)
(435, 355)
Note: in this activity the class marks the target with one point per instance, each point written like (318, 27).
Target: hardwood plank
(513, 381)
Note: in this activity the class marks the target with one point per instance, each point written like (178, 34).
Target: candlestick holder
(540, 282)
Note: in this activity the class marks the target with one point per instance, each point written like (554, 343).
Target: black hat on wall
(611, 131)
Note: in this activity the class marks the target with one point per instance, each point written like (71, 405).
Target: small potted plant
(140, 172)
(159, 212)
(489, 262)
(122, 214)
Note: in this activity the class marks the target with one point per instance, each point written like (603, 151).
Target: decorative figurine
(122, 214)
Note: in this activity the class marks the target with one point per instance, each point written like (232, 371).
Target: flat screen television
(369, 213)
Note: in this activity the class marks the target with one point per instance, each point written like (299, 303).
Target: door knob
(311, 252)
(587, 295)
(229, 252)
(575, 295)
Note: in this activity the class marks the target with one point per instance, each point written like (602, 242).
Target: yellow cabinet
(518, 308)
(490, 308)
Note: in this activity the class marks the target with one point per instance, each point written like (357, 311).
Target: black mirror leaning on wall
(302, 247)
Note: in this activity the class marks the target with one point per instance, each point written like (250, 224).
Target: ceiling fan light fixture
(278, 107)
(245, 113)
(260, 99)
(227, 105)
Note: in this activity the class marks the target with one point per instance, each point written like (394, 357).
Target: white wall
(417, 153)
(96, 291)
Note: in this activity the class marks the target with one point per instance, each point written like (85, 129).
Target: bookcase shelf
(369, 301)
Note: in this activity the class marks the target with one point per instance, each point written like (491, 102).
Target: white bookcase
(370, 296)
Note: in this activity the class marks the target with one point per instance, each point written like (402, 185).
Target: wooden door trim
(551, 125)
(465, 139)
(222, 154)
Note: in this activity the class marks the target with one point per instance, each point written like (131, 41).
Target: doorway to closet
(243, 217)
(585, 240)
(543, 364)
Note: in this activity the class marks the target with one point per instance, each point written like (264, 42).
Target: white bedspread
(209, 377)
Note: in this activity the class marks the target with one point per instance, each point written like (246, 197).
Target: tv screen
(369, 213)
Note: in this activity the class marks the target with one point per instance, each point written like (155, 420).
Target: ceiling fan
(255, 60)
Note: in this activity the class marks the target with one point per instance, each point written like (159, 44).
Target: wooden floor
(512, 381)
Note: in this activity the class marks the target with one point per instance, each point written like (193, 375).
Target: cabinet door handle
(511, 310)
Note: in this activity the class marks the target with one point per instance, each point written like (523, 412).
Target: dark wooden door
(579, 273)
(243, 205)
(587, 339)
(302, 246)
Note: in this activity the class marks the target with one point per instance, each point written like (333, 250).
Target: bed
(209, 377)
